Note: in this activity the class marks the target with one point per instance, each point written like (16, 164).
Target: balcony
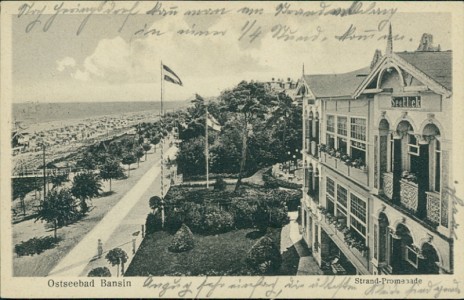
(409, 195)
(433, 207)
(358, 258)
(359, 175)
(410, 199)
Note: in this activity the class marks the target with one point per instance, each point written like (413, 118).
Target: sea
(33, 112)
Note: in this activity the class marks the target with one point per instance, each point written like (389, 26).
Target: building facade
(377, 148)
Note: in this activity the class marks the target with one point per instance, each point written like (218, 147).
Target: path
(256, 178)
(108, 229)
(291, 237)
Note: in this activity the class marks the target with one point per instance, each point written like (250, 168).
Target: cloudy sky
(103, 64)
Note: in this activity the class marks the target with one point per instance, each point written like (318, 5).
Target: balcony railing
(314, 149)
(433, 207)
(388, 185)
(308, 145)
(360, 175)
(409, 194)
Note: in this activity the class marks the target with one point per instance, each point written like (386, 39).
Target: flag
(171, 76)
(213, 123)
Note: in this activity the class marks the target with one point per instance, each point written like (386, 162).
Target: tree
(220, 184)
(191, 157)
(87, 162)
(58, 180)
(139, 153)
(155, 203)
(85, 186)
(248, 102)
(282, 112)
(111, 170)
(117, 256)
(21, 187)
(128, 160)
(58, 208)
(155, 141)
(146, 148)
(100, 272)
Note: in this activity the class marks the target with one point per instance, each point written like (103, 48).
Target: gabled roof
(437, 65)
(335, 85)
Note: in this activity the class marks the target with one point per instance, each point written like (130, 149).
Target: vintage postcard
(243, 149)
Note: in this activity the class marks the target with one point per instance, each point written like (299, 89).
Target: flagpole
(162, 152)
(206, 148)
(162, 82)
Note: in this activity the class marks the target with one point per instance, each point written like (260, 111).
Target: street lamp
(288, 161)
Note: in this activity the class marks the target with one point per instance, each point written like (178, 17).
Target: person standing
(100, 248)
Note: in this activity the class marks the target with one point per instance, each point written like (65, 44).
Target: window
(330, 191)
(316, 237)
(358, 150)
(358, 128)
(330, 187)
(359, 227)
(358, 208)
(341, 125)
(437, 166)
(342, 145)
(413, 147)
(330, 141)
(411, 256)
(330, 123)
(342, 196)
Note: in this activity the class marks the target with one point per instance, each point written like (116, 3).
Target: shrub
(217, 220)
(272, 182)
(35, 245)
(153, 222)
(264, 256)
(100, 272)
(173, 220)
(243, 212)
(278, 217)
(193, 216)
(182, 240)
(220, 184)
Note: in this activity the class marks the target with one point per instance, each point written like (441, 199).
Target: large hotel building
(377, 148)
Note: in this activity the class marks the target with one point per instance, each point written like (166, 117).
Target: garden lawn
(222, 254)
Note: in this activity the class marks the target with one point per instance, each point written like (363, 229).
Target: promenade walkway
(121, 227)
(291, 237)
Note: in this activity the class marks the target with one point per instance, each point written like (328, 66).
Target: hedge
(272, 182)
(99, 272)
(217, 220)
(36, 245)
(244, 212)
(153, 222)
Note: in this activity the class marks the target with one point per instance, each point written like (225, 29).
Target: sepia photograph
(231, 149)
